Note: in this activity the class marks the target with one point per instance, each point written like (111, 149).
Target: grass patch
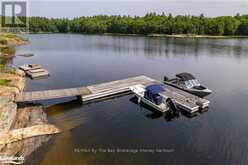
(8, 50)
(10, 35)
(3, 40)
(4, 82)
(14, 36)
(2, 67)
(10, 71)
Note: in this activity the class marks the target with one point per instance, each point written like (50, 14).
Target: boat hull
(162, 108)
(199, 93)
(139, 93)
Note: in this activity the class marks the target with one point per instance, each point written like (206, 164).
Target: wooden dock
(51, 94)
(184, 100)
(34, 71)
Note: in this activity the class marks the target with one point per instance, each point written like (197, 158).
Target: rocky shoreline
(14, 117)
(8, 42)
(23, 128)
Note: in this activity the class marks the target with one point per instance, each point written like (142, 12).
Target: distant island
(150, 24)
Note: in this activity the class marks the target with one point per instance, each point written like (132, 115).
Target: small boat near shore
(187, 82)
(151, 96)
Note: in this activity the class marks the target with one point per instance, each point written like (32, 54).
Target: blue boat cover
(155, 89)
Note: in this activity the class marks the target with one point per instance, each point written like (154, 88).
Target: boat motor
(171, 103)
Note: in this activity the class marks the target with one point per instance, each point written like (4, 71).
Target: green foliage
(2, 67)
(10, 35)
(230, 25)
(214, 27)
(148, 24)
(8, 50)
(3, 40)
(243, 27)
(4, 82)
(5, 37)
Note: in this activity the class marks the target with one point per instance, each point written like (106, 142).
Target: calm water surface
(218, 136)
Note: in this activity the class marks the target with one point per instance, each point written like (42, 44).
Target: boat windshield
(189, 84)
(195, 82)
(192, 83)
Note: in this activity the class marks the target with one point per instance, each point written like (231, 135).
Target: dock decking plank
(51, 94)
(98, 91)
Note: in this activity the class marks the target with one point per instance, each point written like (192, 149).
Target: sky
(76, 8)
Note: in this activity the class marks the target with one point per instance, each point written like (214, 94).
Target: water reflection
(79, 60)
(175, 46)
(66, 116)
(149, 46)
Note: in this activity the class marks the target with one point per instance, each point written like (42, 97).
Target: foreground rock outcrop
(8, 111)
(15, 85)
(22, 129)
(25, 133)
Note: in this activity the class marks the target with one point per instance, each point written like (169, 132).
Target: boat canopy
(155, 89)
(185, 76)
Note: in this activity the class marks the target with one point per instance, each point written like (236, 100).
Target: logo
(4, 159)
(14, 16)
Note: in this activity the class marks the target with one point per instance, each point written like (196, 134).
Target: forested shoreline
(151, 23)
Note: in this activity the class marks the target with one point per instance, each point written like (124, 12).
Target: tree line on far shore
(151, 23)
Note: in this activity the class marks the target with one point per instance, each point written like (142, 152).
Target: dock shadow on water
(63, 142)
(72, 115)
(64, 114)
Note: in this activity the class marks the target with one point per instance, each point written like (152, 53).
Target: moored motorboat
(151, 95)
(188, 83)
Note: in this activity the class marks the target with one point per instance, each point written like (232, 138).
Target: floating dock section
(184, 100)
(115, 87)
(34, 71)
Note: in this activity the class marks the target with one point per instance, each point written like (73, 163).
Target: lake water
(218, 136)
